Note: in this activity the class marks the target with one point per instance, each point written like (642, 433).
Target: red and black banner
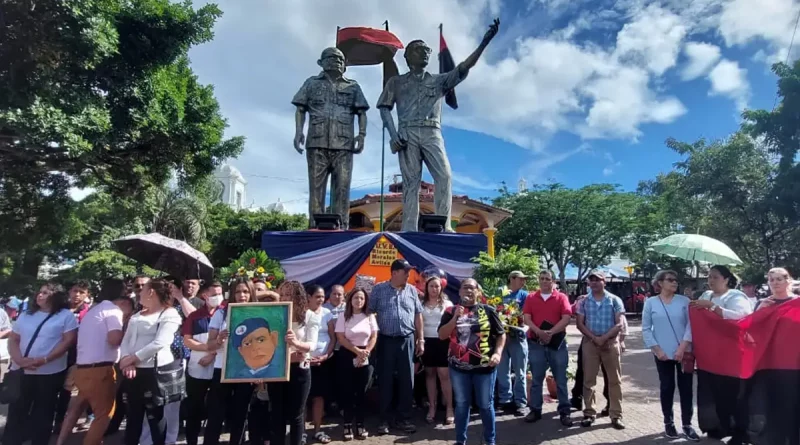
(748, 374)
(369, 46)
(446, 64)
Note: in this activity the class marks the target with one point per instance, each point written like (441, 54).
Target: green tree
(232, 232)
(584, 227)
(778, 129)
(97, 93)
(723, 189)
(492, 273)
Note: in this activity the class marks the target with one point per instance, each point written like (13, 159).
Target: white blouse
(307, 332)
(149, 336)
(431, 318)
(734, 303)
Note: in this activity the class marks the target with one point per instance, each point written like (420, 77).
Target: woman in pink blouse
(357, 332)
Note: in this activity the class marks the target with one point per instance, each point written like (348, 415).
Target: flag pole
(383, 153)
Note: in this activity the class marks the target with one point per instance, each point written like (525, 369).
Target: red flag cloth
(741, 348)
(446, 64)
(369, 46)
(748, 374)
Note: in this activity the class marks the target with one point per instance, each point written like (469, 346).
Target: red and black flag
(748, 374)
(369, 46)
(446, 64)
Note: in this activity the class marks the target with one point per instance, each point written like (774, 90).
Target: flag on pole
(369, 46)
(446, 64)
(748, 373)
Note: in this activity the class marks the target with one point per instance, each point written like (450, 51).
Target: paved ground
(642, 413)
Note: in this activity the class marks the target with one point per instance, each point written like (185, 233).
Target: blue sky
(576, 92)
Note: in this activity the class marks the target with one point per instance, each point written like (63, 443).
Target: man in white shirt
(99, 337)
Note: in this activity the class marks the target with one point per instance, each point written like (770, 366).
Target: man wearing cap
(512, 390)
(256, 344)
(331, 100)
(600, 321)
(398, 309)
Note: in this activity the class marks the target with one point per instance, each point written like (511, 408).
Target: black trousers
(258, 422)
(353, 384)
(61, 407)
(196, 392)
(288, 401)
(139, 406)
(227, 403)
(577, 390)
(395, 366)
(668, 372)
(31, 417)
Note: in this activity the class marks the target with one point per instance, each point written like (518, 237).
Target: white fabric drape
(308, 266)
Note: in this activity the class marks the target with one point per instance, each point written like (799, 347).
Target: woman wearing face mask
(227, 402)
(200, 369)
(477, 337)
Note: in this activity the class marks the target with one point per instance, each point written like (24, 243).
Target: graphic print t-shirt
(473, 341)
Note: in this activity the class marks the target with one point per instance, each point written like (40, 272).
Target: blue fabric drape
(282, 245)
(349, 266)
(460, 247)
(453, 283)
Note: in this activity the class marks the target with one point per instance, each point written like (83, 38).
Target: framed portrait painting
(256, 349)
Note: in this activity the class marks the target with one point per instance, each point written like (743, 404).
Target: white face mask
(214, 300)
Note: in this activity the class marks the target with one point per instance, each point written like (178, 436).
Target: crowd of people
(107, 358)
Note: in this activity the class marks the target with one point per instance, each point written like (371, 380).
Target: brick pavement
(642, 413)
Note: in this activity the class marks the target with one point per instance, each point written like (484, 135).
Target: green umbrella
(696, 248)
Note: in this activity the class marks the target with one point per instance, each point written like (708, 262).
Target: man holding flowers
(515, 353)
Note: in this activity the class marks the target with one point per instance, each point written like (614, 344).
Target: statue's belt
(428, 123)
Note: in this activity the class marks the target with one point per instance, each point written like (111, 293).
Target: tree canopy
(98, 93)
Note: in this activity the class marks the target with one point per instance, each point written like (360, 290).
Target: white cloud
(728, 79)
(653, 38)
(702, 57)
(771, 21)
(462, 181)
(529, 86)
(608, 171)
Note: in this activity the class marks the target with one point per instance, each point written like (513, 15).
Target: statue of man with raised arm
(332, 101)
(418, 136)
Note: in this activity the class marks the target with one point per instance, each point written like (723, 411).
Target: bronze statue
(418, 138)
(331, 100)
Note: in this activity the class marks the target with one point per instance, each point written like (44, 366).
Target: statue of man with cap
(331, 100)
(418, 136)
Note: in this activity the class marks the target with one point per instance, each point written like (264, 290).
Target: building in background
(234, 186)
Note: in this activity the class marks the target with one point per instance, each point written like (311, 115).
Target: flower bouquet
(255, 264)
(509, 312)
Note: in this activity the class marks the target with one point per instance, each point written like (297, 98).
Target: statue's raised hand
(299, 141)
(493, 28)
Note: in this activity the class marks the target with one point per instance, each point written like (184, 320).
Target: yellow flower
(260, 270)
(268, 284)
(241, 271)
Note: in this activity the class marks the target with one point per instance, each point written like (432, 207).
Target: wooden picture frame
(256, 339)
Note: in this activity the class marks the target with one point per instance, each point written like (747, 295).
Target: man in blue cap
(256, 343)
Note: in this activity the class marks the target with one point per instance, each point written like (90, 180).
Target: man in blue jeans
(515, 354)
(547, 313)
(477, 337)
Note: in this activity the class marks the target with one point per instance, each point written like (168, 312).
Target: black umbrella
(167, 255)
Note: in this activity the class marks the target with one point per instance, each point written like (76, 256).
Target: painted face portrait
(255, 342)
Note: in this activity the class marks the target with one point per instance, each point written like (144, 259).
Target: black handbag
(170, 382)
(11, 388)
(555, 339)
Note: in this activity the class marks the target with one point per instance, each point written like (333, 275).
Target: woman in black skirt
(434, 303)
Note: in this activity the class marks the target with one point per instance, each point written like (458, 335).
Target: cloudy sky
(572, 91)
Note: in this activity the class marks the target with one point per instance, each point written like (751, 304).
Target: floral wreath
(257, 266)
(510, 313)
